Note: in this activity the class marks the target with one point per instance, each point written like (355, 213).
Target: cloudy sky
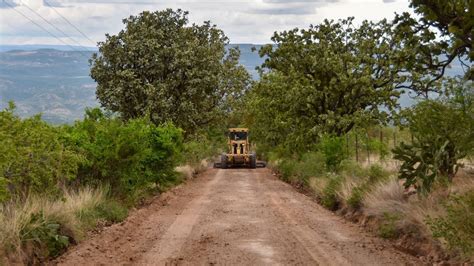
(243, 21)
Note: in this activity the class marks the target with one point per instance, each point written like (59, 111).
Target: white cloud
(249, 21)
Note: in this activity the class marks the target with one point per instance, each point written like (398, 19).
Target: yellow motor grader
(238, 154)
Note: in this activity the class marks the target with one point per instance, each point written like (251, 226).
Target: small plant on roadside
(329, 198)
(41, 231)
(388, 227)
(456, 228)
(355, 200)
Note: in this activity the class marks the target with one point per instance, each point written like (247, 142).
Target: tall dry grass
(16, 218)
(385, 197)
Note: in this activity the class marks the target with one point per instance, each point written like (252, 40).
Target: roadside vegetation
(156, 129)
(326, 115)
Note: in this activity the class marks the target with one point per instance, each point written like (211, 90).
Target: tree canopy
(442, 34)
(325, 79)
(164, 68)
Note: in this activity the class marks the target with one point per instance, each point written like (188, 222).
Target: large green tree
(163, 67)
(441, 34)
(325, 79)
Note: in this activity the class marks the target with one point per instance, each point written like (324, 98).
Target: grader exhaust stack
(238, 154)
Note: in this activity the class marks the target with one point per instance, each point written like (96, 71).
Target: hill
(55, 81)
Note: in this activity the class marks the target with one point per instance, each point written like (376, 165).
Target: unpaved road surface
(234, 217)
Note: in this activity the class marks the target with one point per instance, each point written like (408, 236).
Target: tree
(431, 43)
(162, 67)
(326, 79)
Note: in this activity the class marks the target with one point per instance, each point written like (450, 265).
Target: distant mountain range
(54, 79)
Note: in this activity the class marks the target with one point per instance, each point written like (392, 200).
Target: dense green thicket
(33, 157)
(99, 150)
(129, 156)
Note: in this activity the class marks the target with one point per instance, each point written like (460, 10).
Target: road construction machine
(239, 152)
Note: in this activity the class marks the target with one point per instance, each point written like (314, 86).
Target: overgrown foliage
(46, 172)
(33, 157)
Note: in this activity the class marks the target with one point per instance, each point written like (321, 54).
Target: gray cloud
(7, 4)
(243, 21)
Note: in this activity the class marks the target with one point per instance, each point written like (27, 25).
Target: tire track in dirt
(234, 217)
(176, 235)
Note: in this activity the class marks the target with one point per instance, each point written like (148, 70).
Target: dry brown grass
(188, 171)
(346, 189)
(385, 197)
(16, 218)
(317, 185)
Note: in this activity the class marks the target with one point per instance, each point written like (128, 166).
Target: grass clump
(388, 228)
(39, 227)
(329, 197)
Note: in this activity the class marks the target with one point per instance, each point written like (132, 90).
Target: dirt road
(234, 216)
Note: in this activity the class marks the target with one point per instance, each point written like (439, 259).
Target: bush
(457, 226)
(130, 157)
(333, 150)
(45, 234)
(311, 164)
(33, 157)
(203, 145)
(355, 199)
(329, 198)
(287, 168)
(108, 210)
(388, 227)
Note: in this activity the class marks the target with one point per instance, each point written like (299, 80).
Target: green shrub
(112, 211)
(329, 198)
(311, 164)
(45, 234)
(357, 195)
(365, 178)
(379, 147)
(457, 227)
(388, 227)
(32, 157)
(129, 156)
(377, 173)
(203, 145)
(334, 151)
(287, 169)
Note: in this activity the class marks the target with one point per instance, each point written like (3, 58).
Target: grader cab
(239, 153)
